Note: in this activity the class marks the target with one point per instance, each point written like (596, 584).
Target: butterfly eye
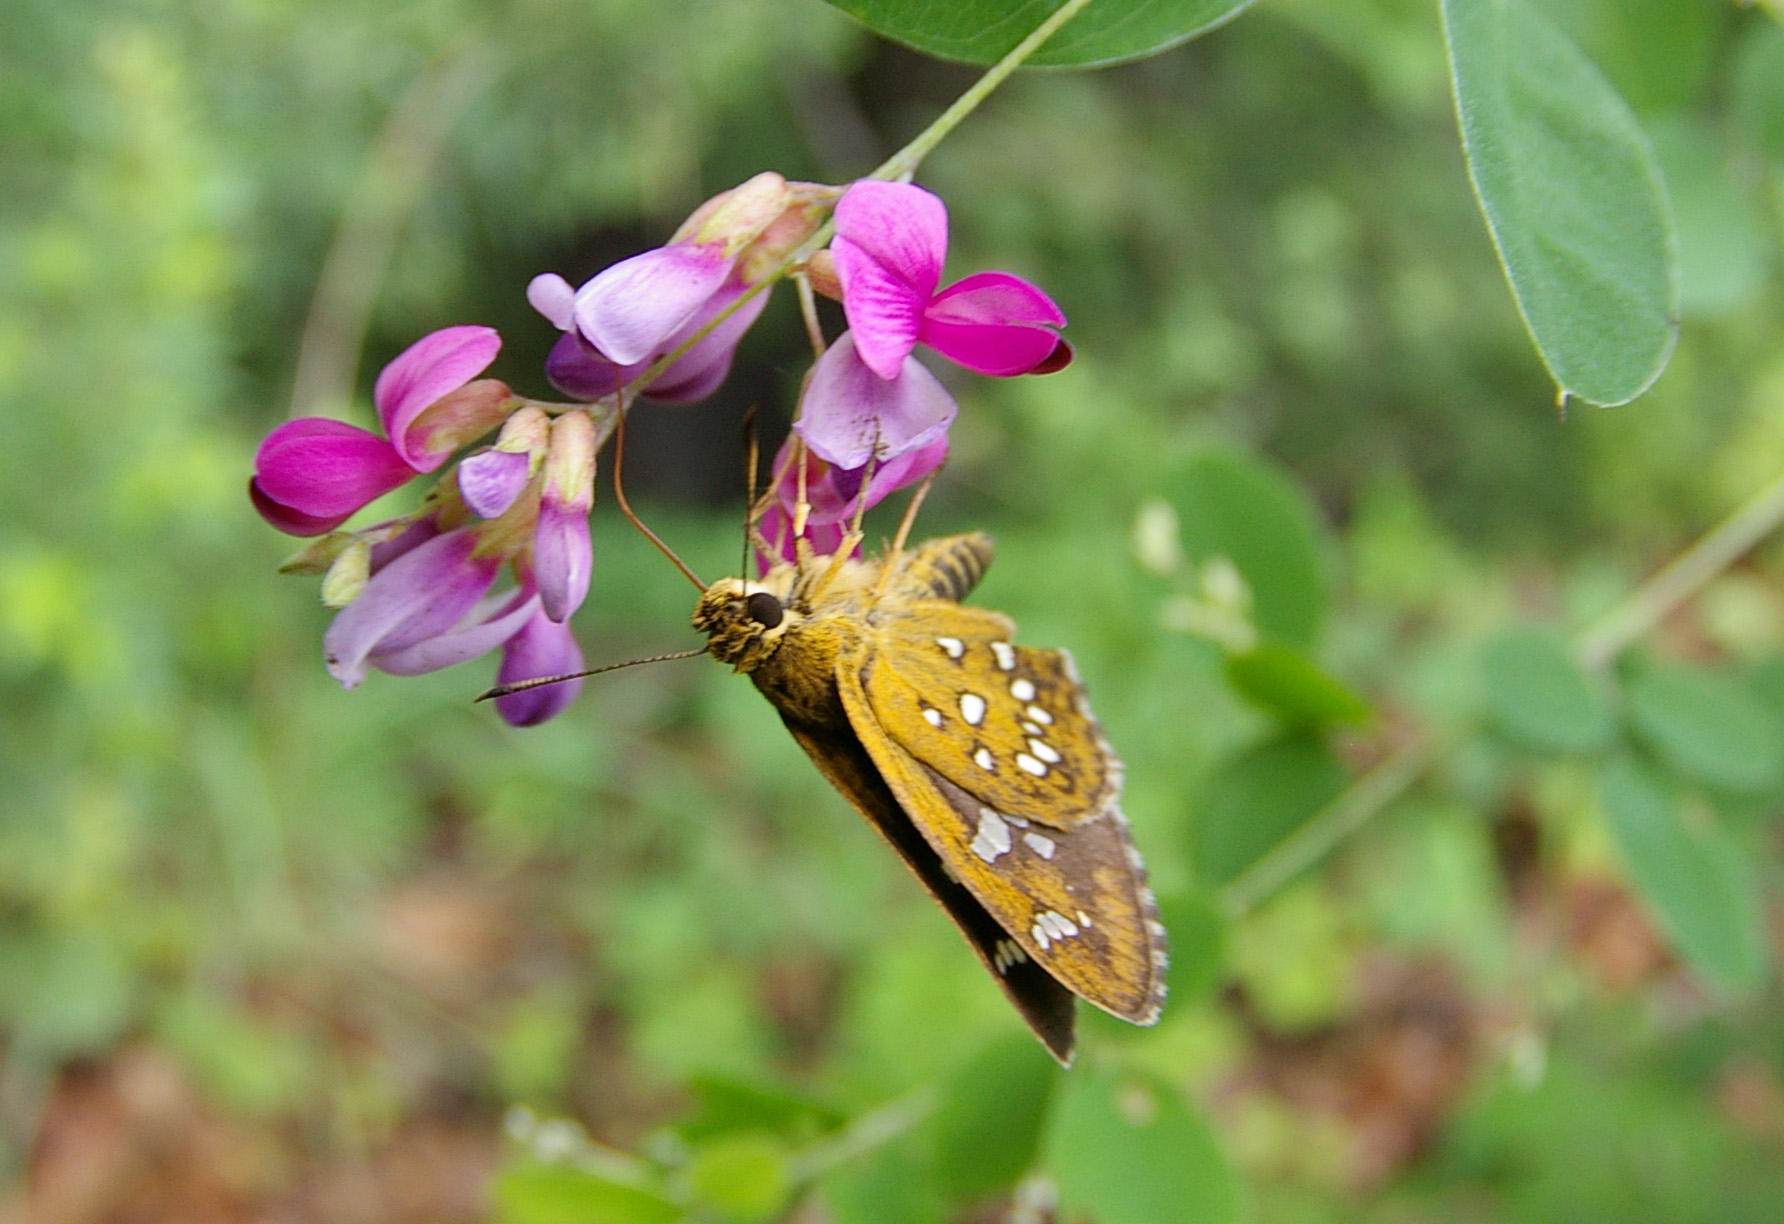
(764, 609)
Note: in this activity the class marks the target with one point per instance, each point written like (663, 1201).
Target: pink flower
(562, 556)
(313, 474)
(834, 495)
(425, 608)
(542, 647)
(851, 413)
(891, 240)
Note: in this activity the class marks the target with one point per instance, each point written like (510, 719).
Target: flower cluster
(422, 591)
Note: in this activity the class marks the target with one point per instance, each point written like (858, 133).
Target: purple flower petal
(992, 323)
(318, 470)
(563, 559)
(489, 481)
(576, 369)
(432, 367)
(630, 309)
(850, 411)
(699, 372)
(891, 239)
(541, 648)
(487, 625)
(410, 538)
(551, 295)
(424, 592)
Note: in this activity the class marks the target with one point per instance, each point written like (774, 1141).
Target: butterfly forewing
(1003, 722)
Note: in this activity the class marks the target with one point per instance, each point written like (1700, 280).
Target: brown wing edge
(1046, 1006)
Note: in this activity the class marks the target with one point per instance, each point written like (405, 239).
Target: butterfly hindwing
(1074, 899)
(1044, 1003)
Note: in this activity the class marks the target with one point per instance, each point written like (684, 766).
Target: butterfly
(976, 758)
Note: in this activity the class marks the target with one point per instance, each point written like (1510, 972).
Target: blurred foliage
(1303, 500)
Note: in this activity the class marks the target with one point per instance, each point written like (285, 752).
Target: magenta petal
(994, 297)
(562, 558)
(891, 239)
(321, 468)
(541, 648)
(420, 594)
(489, 481)
(631, 308)
(292, 522)
(491, 622)
(850, 412)
(992, 323)
(551, 295)
(996, 350)
(410, 538)
(425, 372)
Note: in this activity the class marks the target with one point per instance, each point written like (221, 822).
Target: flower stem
(1682, 577)
(903, 164)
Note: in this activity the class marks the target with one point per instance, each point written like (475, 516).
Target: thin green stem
(1391, 777)
(1682, 577)
(903, 164)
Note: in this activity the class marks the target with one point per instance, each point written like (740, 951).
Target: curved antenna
(521, 686)
(619, 495)
(750, 464)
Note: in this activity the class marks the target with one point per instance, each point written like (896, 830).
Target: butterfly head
(744, 622)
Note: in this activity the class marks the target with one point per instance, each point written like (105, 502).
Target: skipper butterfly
(976, 758)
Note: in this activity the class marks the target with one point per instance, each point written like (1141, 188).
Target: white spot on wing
(982, 758)
(972, 708)
(1028, 764)
(954, 646)
(993, 838)
(1030, 729)
(1041, 716)
(1042, 846)
(1044, 751)
(932, 716)
(1006, 655)
(1022, 690)
(1051, 927)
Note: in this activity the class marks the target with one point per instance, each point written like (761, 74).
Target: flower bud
(347, 577)
(562, 555)
(461, 417)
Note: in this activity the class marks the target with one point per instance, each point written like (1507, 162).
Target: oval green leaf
(530, 1193)
(1127, 1151)
(1287, 683)
(983, 31)
(1257, 799)
(1697, 883)
(744, 1175)
(987, 1130)
(1573, 198)
(1230, 504)
(1537, 693)
(1708, 727)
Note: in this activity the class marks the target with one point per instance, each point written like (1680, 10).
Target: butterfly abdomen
(948, 568)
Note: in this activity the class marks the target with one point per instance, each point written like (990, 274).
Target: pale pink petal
(320, 471)
(488, 625)
(630, 309)
(489, 481)
(541, 648)
(850, 413)
(891, 239)
(563, 558)
(432, 367)
(425, 591)
(551, 295)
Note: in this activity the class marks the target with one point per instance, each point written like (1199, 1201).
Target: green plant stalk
(1682, 577)
(1390, 778)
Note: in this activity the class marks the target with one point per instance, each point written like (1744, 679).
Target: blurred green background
(273, 951)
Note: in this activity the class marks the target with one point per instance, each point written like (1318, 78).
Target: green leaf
(1126, 1151)
(1260, 797)
(1709, 727)
(1758, 87)
(1700, 887)
(1232, 505)
(982, 31)
(1537, 693)
(1286, 682)
(987, 1130)
(744, 1175)
(892, 1185)
(1572, 196)
(1198, 934)
(727, 1105)
(530, 1193)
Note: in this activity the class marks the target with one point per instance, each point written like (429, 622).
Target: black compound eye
(764, 609)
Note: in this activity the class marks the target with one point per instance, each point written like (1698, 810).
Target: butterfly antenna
(521, 686)
(619, 495)
(750, 462)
